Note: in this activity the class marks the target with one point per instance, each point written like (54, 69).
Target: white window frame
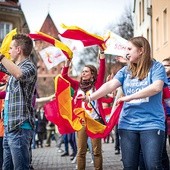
(5, 28)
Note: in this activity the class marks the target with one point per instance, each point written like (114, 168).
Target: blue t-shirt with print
(146, 113)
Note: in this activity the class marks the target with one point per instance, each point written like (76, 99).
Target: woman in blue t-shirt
(141, 123)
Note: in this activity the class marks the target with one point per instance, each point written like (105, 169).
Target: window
(157, 33)
(142, 11)
(148, 35)
(140, 17)
(5, 28)
(165, 26)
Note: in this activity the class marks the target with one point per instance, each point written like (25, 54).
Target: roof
(49, 27)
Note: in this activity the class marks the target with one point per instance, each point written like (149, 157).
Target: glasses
(166, 65)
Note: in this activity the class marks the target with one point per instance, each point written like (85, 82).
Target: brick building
(46, 77)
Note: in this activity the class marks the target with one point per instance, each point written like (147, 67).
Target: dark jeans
(165, 158)
(72, 141)
(65, 138)
(70, 138)
(117, 143)
(1, 152)
(150, 142)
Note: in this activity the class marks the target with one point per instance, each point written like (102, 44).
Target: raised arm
(64, 73)
(11, 68)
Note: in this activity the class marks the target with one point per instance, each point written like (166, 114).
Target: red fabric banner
(88, 39)
(61, 113)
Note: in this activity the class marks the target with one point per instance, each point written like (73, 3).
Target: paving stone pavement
(48, 158)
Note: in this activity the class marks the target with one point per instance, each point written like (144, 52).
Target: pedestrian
(165, 158)
(1, 132)
(166, 104)
(70, 139)
(142, 120)
(2, 96)
(90, 80)
(89, 144)
(166, 63)
(50, 129)
(18, 108)
(41, 127)
(116, 66)
(1, 142)
(106, 104)
(60, 140)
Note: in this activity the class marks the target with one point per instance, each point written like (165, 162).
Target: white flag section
(116, 45)
(74, 45)
(52, 56)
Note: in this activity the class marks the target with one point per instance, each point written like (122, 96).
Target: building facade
(151, 20)
(45, 82)
(11, 17)
(161, 29)
(143, 19)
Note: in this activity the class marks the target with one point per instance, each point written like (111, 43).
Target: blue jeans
(150, 142)
(72, 140)
(89, 143)
(65, 138)
(16, 149)
(1, 152)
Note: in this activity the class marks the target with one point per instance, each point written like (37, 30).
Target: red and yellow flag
(4, 49)
(68, 120)
(64, 48)
(6, 43)
(60, 111)
(77, 33)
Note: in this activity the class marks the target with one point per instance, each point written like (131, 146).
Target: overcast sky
(91, 15)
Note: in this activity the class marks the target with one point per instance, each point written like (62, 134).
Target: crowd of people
(140, 135)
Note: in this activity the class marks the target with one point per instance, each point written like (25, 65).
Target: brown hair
(93, 71)
(24, 42)
(89, 84)
(142, 68)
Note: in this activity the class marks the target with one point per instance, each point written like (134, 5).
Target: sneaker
(92, 162)
(60, 150)
(117, 152)
(65, 154)
(76, 167)
(74, 160)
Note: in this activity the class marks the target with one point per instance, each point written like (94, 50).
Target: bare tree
(87, 56)
(125, 26)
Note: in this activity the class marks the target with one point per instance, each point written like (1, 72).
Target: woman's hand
(101, 53)
(67, 63)
(83, 97)
(124, 99)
